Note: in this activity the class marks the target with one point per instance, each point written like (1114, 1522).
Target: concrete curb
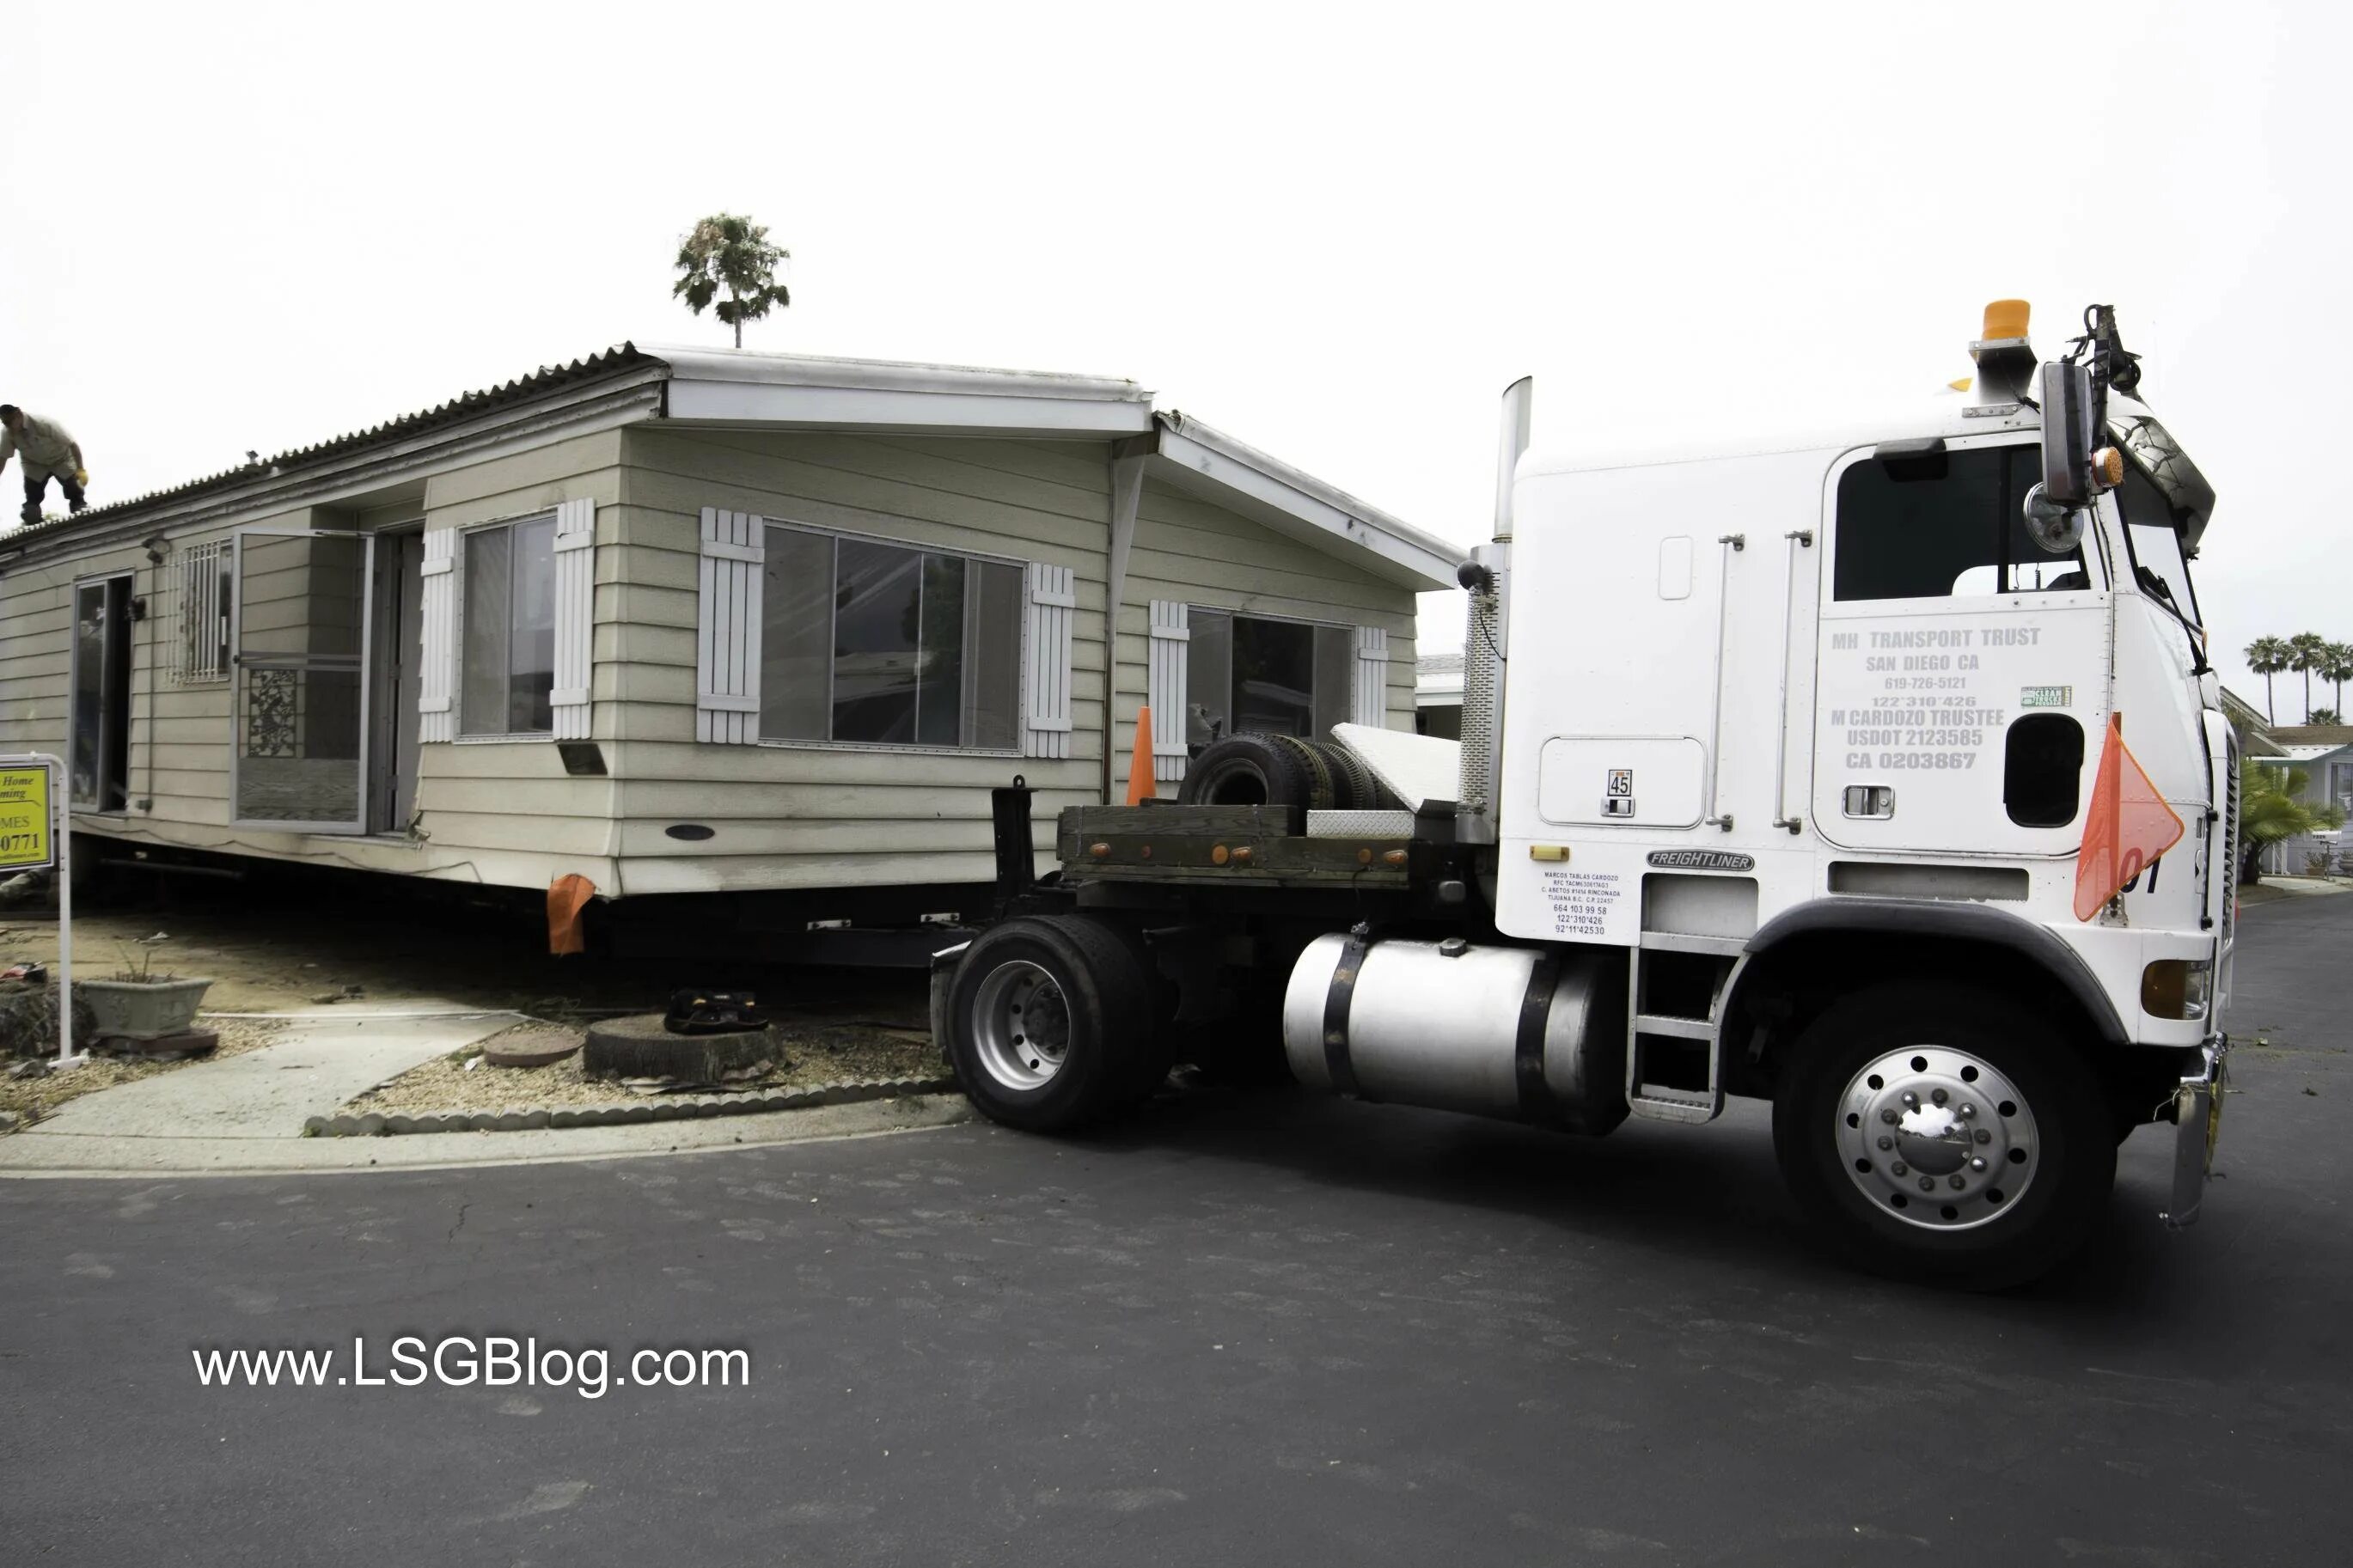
(525, 1118)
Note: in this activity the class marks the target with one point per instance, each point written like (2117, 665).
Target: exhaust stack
(1518, 399)
(1487, 576)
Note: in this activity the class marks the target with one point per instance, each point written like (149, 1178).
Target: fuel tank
(1528, 1033)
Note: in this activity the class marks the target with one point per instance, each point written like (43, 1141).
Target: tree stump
(640, 1047)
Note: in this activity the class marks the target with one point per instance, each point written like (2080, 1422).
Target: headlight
(2176, 988)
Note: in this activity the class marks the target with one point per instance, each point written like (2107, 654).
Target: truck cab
(1873, 768)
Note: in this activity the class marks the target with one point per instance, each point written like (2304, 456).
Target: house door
(394, 666)
(298, 748)
(102, 694)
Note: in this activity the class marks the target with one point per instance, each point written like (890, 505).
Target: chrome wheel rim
(1938, 1139)
(1020, 1025)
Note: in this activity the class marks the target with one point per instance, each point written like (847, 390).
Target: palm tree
(2336, 667)
(2269, 811)
(2267, 656)
(2304, 654)
(730, 252)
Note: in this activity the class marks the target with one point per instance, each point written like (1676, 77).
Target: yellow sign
(26, 840)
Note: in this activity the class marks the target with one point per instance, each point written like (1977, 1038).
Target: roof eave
(1206, 461)
(721, 387)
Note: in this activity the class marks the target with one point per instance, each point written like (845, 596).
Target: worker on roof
(47, 450)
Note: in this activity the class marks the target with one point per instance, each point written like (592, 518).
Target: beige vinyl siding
(504, 813)
(813, 815)
(1189, 549)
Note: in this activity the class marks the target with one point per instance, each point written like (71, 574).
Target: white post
(66, 1054)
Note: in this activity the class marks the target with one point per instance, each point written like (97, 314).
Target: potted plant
(135, 1003)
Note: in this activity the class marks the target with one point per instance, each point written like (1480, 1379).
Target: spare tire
(1279, 771)
(1354, 786)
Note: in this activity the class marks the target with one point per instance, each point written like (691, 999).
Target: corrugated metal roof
(620, 357)
(2330, 735)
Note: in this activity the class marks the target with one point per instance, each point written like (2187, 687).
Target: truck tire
(1049, 1023)
(1354, 786)
(1943, 1133)
(1256, 769)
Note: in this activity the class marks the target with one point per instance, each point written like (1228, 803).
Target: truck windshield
(2159, 564)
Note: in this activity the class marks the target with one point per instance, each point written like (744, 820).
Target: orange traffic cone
(567, 895)
(1140, 786)
(2127, 827)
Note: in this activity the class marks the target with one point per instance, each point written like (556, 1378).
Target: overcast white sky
(1334, 231)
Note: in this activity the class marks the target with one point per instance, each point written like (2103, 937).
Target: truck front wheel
(1050, 1022)
(1942, 1132)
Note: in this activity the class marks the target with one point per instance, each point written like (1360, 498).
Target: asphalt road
(1241, 1329)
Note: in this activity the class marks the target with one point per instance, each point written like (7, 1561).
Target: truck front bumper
(2197, 1125)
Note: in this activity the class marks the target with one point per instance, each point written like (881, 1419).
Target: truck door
(1961, 677)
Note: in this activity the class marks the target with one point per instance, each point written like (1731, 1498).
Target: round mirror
(2056, 528)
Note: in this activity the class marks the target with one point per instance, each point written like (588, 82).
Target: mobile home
(696, 622)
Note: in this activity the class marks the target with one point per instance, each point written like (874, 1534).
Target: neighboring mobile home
(697, 622)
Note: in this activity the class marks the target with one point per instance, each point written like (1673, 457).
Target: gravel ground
(34, 1098)
(809, 1055)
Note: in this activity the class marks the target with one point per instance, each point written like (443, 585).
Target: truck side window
(2042, 770)
(1939, 525)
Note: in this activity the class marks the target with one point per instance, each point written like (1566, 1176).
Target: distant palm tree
(730, 252)
(2336, 667)
(2306, 652)
(2267, 656)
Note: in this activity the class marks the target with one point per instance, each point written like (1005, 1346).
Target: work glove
(81, 478)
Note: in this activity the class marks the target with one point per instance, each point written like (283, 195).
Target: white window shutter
(1372, 704)
(576, 613)
(1163, 686)
(437, 653)
(727, 651)
(1050, 603)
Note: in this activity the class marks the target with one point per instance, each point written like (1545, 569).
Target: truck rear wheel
(1050, 1022)
(1943, 1133)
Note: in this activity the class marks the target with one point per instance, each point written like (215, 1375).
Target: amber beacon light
(2006, 318)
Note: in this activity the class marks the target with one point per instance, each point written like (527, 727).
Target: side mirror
(2066, 434)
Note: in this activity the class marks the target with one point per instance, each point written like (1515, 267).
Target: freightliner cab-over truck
(1875, 771)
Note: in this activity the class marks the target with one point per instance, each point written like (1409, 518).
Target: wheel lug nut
(1977, 1164)
(1984, 1134)
(1957, 1182)
(1937, 1095)
(1911, 1100)
(1927, 1184)
(1888, 1115)
(1886, 1142)
(1967, 1110)
(1900, 1169)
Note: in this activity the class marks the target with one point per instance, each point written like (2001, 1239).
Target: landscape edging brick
(524, 1118)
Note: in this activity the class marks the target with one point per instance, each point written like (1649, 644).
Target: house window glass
(204, 593)
(880, 644)
(1938, 525)
(1249, 674)
(510, 629)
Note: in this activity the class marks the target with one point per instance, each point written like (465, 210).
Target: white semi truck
(1779, 754)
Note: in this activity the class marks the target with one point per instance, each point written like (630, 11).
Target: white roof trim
(732, 387)
(1206, 461)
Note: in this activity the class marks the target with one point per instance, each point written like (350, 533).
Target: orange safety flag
(567, 897)
(2128, 827)
(1140, 786)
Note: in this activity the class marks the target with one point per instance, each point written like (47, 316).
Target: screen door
(299, 747)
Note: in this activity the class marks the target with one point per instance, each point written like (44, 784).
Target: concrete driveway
(1241, 1330)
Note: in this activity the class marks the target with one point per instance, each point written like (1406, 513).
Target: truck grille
(2229, 867)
